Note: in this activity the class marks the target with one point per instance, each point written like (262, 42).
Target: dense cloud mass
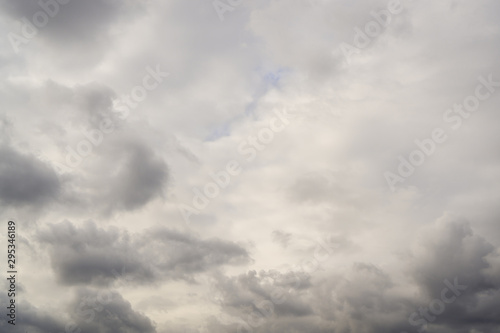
(158, 254)
(24, 180)
(364, 298)
(90, 311)
(265, 166)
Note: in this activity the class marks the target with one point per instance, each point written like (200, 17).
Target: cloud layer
(251, 166)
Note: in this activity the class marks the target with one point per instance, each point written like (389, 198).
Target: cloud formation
(160, 254)
(24, 180)
(116, 114)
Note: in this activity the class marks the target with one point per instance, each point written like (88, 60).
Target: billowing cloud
(25, 181)
(96, 311)
(268, 166)
(90, 310)
(93, 255)
(450, 289)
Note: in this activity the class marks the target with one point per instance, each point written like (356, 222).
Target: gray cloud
(97, 311)
(450, 250)
(385, 258)
(82, 30)
(89, 311)
(281, 237)
(25, 181)
(134, 172)
(366, 299)
(92, 255)
(136, 177)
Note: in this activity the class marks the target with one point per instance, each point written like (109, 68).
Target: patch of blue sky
(269, 81)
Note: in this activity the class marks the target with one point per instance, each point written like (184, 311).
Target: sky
(264, 166)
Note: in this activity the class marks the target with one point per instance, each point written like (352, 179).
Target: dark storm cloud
(361, 300)
(367, 278)
(121, 157)
(133, 172)
(28, 317)
(133, 175)
(32, 319)
(24, 180)
(366, 299)
(136, 177)
(92, 255)
(188, 255)
(81, 28)
(90, 311)
(272, 293)
(95, 311)
(451, 250)
(269, 301)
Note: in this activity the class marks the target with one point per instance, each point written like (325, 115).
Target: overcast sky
(267, 166)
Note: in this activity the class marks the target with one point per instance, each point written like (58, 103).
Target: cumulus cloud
(450, 250)
(364, 298)
(24, 180)
(95, 311)
(308, 235)
(93, 255)
(135, 176)
(90, 310)
(81, 30)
